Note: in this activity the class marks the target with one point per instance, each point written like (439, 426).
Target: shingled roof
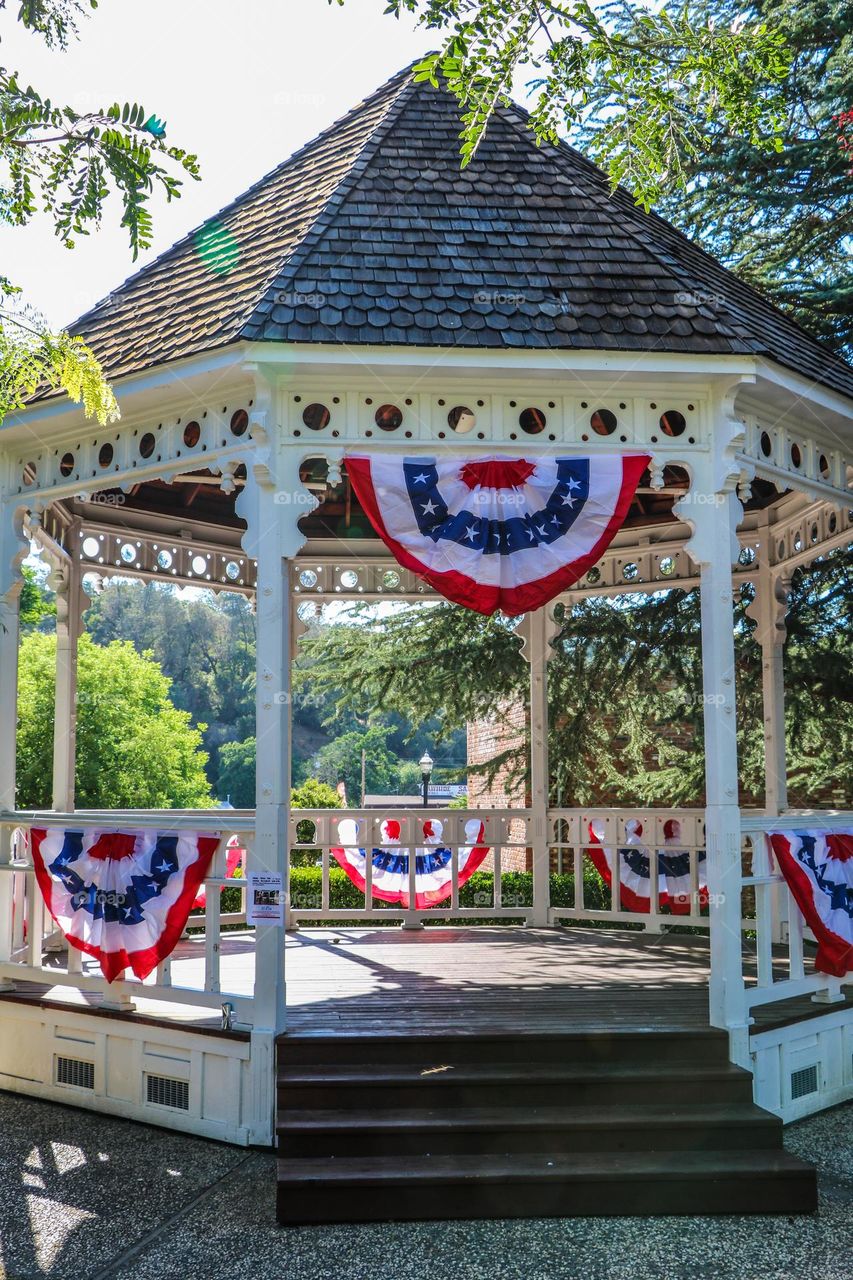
(373, 234)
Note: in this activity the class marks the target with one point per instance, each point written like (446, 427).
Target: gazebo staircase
(525, 1125)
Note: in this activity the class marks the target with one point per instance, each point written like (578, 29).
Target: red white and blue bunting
(635, 860)
(123, 897)
(818, 867)
(390, 862)
(497, 533)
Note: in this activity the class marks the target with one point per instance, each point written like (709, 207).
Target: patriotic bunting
(818, 868)
(635, 869)
(433, 863)
(497, 533)
(235, 869)
(123, 897)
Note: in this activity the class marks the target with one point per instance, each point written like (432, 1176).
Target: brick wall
(485, 739)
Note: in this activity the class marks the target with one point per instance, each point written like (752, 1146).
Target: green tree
(783, 219)
(625, 687)
(205, 645)
(315, 795)
(658, 82)
(67, 165)
(236, 780)
(35, 601)
(340, 761)
(134, 748)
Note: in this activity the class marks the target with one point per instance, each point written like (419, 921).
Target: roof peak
(373, 233)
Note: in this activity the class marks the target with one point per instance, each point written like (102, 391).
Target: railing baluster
(35, 921)
(368, 865)
(578, 862)
(414, 828)
(497, 876)
(654, 875)
(796, 925)
(213, 920)
(760, 863)
(324, 876)
(452, 826)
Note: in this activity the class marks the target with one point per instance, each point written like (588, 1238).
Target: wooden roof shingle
(372, 233)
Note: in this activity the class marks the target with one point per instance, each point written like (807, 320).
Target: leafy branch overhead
(32, 357)
(650, 87)
(67, 165)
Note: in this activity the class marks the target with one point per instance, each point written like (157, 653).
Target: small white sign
(265, 898)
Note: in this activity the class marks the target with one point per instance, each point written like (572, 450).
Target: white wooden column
(539, 628)
(769, 609)
(272, 800)
(71, 602)
(271, 502)
(713, 514)
(13, 549)
(8, 696)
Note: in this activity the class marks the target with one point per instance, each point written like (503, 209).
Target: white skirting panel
(805, 1067)
(160, 1075)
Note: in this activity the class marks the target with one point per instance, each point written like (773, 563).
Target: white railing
(33, 951)
(672, 834)
(778, 920)
(316, 833)
(32, 948)
(327, 894)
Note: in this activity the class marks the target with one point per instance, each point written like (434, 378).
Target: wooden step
(447, 1130)
(393, 1188)
(635, 1045)
(445, 1083)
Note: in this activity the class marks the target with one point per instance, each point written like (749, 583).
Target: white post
(272, 804)
(539, 629)
(271, 502)
(769, 609)
(70, 603)
(13, 549)
(713, 514)
(8, 696)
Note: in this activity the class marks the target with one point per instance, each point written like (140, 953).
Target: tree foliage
(32, 357)
(66, 165)
(625, 687)
(35, 604)
(655, 83)
(783, 218)
(134, 748)
(206, 646)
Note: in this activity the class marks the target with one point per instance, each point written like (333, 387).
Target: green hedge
(516, 886)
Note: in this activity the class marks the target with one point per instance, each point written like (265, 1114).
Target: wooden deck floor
(357, 980)
(368, 979)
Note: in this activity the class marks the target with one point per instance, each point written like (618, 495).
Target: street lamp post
(426, 774)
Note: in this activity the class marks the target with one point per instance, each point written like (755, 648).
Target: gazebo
(370, 300)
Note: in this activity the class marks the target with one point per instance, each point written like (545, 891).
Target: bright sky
(243, 83)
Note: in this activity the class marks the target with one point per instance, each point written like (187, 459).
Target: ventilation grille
(803, 1082)
(163, 1091)
(75, 1072)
